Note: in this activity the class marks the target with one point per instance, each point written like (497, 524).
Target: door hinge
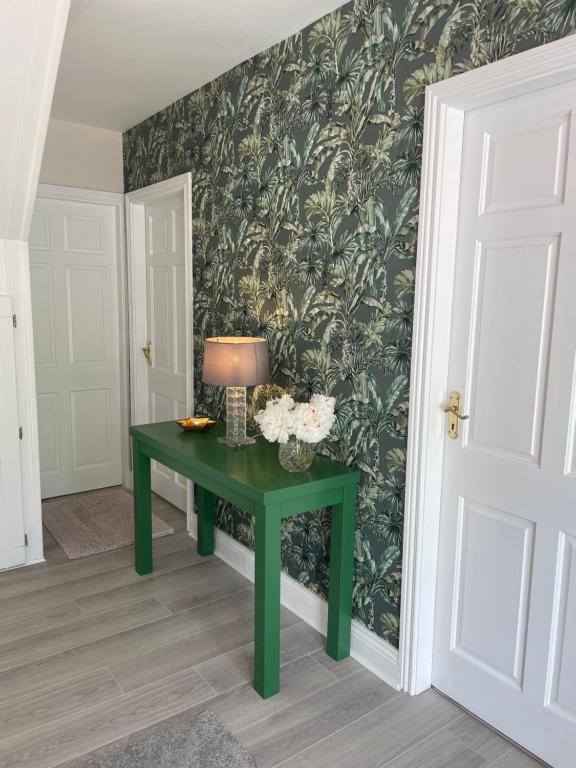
(20, 432)
(25, 539)
(14, 321)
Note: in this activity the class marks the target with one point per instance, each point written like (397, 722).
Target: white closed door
(73, 263)
(166, 313)
(12, 542)
(505, 627)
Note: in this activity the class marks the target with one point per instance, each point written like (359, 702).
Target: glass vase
(296, 455)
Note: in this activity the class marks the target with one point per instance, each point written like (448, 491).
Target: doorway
(489, 585)
(77, 287)
(161, 338)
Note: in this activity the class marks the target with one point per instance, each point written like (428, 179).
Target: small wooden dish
(194, 424)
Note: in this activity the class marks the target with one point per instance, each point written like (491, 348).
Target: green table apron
(251, 478)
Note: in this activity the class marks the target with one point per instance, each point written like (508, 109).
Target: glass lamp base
(232, 441)
(236, 418)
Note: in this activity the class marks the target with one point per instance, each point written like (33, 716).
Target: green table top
(254, 468)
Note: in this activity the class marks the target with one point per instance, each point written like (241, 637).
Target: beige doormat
(87, 523)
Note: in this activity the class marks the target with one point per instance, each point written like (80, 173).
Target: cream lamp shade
(235, 361)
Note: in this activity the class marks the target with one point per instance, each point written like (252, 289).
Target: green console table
(251, 478)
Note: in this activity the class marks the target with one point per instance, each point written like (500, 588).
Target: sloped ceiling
(123, 60)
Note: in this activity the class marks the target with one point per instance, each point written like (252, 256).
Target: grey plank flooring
(474, 735)
(85, 630)
(44, 618)
(380, 734)
(50, 704)
(440, 750)
(235, 667)
(90, 652)
(306, 722)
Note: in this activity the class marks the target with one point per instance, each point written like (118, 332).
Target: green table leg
(142, 510)
(341, 571)
(206, 501)
(267, 613)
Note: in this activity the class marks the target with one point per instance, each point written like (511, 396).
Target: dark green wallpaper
(306, 163)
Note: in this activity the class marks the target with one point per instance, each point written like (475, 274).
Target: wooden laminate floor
(91, 652)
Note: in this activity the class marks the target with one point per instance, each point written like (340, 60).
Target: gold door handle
(148, 352)
(454, 415)
(454, 410)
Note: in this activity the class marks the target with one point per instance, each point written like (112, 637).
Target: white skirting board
(368, 649)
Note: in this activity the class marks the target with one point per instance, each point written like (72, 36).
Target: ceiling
(123, 60)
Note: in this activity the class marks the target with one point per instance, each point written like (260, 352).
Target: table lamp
(235, 362)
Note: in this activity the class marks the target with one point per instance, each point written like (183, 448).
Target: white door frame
(138, 319)
(446, 104)
(116, 201)
(12, 528)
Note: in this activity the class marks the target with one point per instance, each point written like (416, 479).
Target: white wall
(82, 156)
(31, 35)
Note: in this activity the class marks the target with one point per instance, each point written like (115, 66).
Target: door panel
(166, 311)
(83, 234)
(76, 345)
(88, 302)
(561, 683)
(42, 286)
(499, 652)
(505, 631)
(544, 145)
(510, 426)
(90, 428)
(180, 328)
(160, 309)
(570, 462)
(49, 432)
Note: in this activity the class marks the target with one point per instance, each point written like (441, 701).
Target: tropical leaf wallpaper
(306, 163)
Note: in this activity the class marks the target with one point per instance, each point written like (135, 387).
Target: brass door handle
(148, 352)
(454, 415)
(453, 409)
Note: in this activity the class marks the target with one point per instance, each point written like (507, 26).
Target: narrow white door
(75, 300)
(12, 545)
(166, 312)
(505, 637)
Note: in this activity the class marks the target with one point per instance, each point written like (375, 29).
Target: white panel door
(505, 636)
(12, 546)
(166, 312)
(73, 265)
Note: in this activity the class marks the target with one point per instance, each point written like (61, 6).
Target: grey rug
(98, 521)
(201, 742)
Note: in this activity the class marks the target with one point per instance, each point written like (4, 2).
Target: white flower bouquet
(310, 422)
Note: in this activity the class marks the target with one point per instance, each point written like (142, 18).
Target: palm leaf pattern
(306, 168)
